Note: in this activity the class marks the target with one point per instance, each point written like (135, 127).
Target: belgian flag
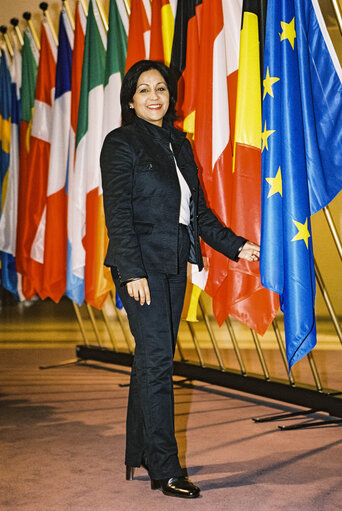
(242, 294)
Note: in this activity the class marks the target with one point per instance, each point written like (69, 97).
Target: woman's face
(151, 98)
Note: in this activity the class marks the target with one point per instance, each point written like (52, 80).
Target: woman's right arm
(117, 163)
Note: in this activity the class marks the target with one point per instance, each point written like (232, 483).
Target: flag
(138, 44)
(185, 61)
(8, 221)
(115, 64)
(29, 66)
(33, 232)
(241, 294)
(75, 250)
(156, 43)
(287, 264)
(89, 138)
(320, 76)
(54, 272)
(168, 8)
(214, 123)
(7, 267)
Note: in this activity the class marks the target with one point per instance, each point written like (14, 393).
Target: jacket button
(194, 188)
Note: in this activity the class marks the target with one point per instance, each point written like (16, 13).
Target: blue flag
(286, 263)
(9, 135)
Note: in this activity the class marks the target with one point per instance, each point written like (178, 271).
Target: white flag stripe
(42, 121)
(232, 15)
(112, 112)
(37, 249)
(123, 14)
(95, 138)
(59, 143)
(220, 124)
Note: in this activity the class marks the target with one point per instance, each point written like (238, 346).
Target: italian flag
(89, 138)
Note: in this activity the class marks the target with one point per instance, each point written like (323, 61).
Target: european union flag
(286, 264)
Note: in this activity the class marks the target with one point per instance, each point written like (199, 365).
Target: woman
(155, 212)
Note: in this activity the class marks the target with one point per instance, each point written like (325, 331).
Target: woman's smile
(151, 98)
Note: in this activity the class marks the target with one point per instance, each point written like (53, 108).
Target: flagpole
(27, 17)
(14, 22)
(333, 230)
(128, 10)
(338, 13)
(84, 7)
(44, 7)
(3, 30)
(69, 13)
(102, 14)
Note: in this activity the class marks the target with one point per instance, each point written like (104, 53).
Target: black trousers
(150, 429)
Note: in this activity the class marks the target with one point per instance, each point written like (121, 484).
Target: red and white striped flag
(215, 114)
(139, 33)
(34, 220)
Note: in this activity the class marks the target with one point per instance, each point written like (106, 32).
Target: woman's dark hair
(129, 86)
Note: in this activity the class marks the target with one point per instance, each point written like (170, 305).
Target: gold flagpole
(102, 14)
(69, 13)
(44, 7)
(3, 30)
(15, 22)
(27, 17)
(84, 6)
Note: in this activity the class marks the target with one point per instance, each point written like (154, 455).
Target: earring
(131, 106)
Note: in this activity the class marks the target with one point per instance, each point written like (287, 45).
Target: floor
(62, 435)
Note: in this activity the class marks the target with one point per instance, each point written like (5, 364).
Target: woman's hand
(250, 251)
(139, 290)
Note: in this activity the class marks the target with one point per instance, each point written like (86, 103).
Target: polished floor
(62, 430)
(62, 445)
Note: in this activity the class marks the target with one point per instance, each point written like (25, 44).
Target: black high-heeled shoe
(176, 487)
(131, 470)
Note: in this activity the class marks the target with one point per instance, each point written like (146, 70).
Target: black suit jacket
(141, 195)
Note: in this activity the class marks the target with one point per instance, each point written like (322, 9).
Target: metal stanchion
(235, 346)
(260, 354)
(211, 335)
(94, 325)
(328, 302)
(282, 351)
(314, 371)
(196, 344)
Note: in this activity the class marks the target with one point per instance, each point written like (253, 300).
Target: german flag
(185, 61)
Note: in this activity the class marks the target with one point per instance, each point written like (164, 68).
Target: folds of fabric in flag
(321, 91)
(87, 193)
(56, 202)
(38, 166)
(286, 263)
(8, 220)
(156, 41)
(115, 64)
(242, 294)
(139, 33)
(8, 273)
(29, 76)
(185, 61)
(5, 124)
(168, 11)
(214, 107)
(75, 249)
(114, 73)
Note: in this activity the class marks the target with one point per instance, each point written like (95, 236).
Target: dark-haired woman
(155, 213)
